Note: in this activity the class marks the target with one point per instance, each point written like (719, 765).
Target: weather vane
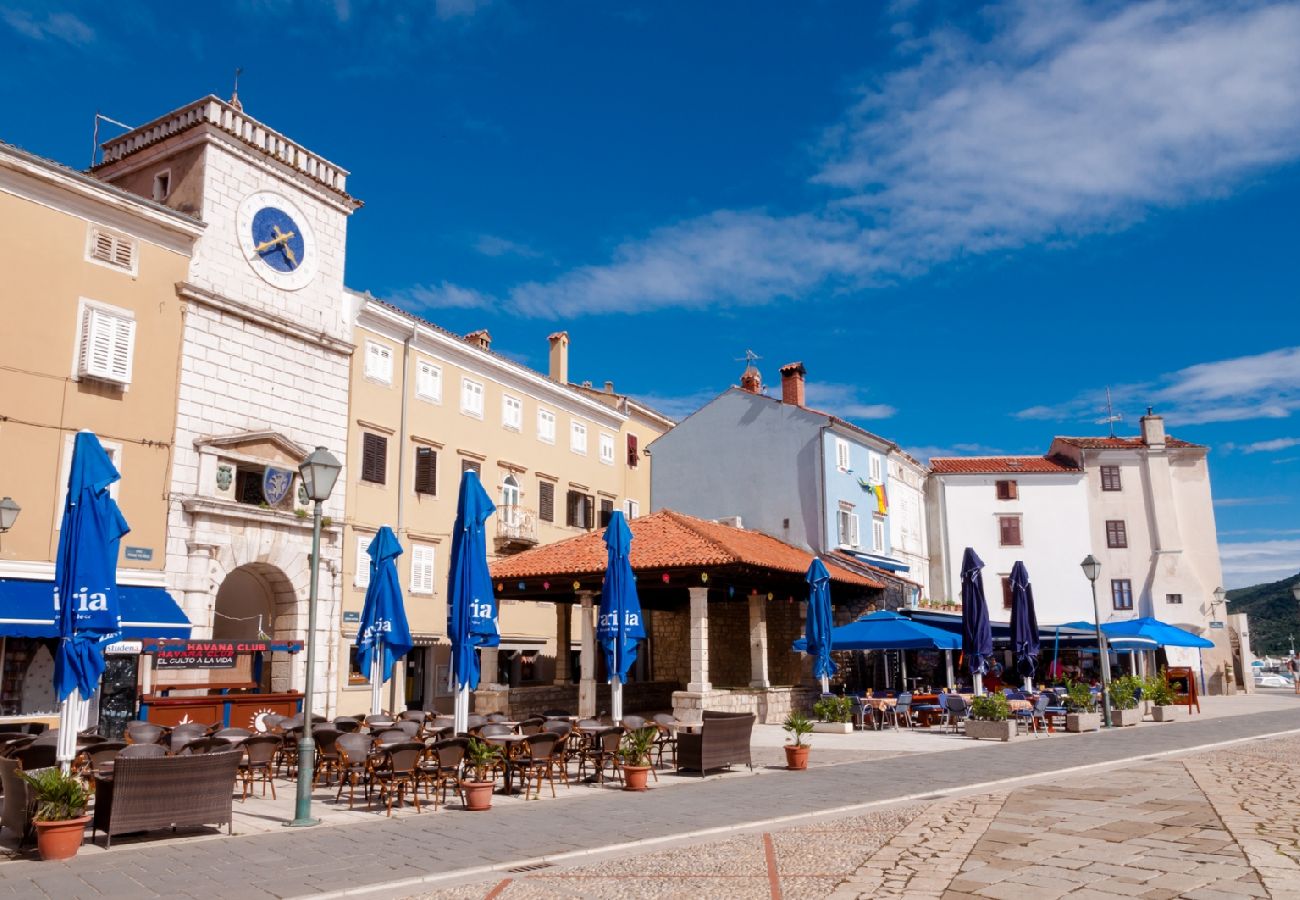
(1111, 416)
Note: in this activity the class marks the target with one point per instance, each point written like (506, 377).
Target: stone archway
(257, 600)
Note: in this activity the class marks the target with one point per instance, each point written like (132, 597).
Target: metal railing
(515, 524)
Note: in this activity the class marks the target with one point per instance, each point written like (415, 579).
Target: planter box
(833, 727)
(991, 731)
(1078, 723)
(1122, 718)
(1164, 713)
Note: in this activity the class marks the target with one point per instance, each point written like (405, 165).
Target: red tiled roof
(671, 540)
(1119, 443)
(981, 465)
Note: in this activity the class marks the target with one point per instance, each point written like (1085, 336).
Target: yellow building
(426, 405)
(92, 340)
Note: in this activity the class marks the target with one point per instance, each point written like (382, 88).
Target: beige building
(92, 340)
(426, 405)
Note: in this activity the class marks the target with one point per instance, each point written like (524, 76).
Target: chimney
(1153, 430)
(559, 370)
(609, 387)
(480, 339)
(792, 376)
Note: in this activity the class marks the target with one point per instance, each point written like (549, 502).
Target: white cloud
(442, 296)
(1272, 446)
(848, 401)
(925, 454)
(1272, 500)
(676, 406)
(1252, 562)
(459, 9)
(491, 245)
(1055, 121)
(44, 26)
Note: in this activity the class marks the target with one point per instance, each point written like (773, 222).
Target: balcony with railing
(516, 529)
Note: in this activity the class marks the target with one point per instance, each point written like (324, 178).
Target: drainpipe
(822, 500)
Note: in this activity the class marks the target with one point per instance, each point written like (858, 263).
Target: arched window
(510, 498)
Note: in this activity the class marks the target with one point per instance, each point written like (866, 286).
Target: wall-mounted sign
(1216, 624)
(203, 655)
(142, 554)
(276, 484)
(351, 616)
(125, 648)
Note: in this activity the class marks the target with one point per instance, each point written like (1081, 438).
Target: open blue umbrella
(85, 581)
(1024, 623)
(886, 630)
(471, 608)
(817, 630)
(383, 634)
(619, 626)
(976, 632)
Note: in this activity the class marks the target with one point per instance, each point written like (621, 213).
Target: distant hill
(1274, 613)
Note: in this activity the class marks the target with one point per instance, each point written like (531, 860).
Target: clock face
(277, 240)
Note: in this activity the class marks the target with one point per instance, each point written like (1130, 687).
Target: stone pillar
(563, 636)
(699, 682)
(587, 684)
(758, 641)
(488, 665)
(197, 587)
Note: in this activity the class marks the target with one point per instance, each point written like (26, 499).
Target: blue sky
(966, 222)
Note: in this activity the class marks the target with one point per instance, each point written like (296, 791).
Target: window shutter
(363, 561)
(606, 511)
(471, 465)
(854, 538)
(107, 346)
(546, 501)
(374, 458)
(588, 512)
(571, 513)
(113, 249)
(633, 457)
(426, 470)
(422, 569)
(1006, 592)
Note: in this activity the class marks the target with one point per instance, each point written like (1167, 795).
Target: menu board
(1182, 681)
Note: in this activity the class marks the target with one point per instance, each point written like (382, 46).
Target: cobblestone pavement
(1219, 824)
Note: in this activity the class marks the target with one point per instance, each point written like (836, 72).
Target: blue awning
(27, 610)
(880, 562)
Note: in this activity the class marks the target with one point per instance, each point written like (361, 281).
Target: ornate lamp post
(9, 511)
(319, 471)
(1092, 569)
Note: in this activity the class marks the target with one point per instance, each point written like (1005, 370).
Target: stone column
(699, 682)
(488, 665)
(758, 641)
(197, 587)
(587, 684)
(563, 636)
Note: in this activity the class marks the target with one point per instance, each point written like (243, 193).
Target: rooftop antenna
(1111, 416)
(94, 141)
(234, 94)
(749, 358)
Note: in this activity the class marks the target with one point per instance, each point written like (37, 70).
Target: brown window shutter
(1013, 490)
(606, 511)
(588, 512)
(632, 456)
(571, 512)
(374, 458)
(1006, 592)
(426, 470)
(546, 501)
(471, 465)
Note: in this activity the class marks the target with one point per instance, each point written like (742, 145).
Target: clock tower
(264, 371)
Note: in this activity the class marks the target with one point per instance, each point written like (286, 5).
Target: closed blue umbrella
(976, 633)
(85, 580)
(383, 635)
(817, 631)
(471, 608)
(1024, 623)
(619, 627)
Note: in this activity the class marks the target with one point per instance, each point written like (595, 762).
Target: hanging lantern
(731, 590)
(500, 587)
(704, 577)
(665, 577)
(546, 585)
(521, 585)
(576, 585)
(769, 595)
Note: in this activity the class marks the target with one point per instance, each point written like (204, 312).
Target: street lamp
(319, 471)
(9, 511)
(1219, 594)
(1092, 569)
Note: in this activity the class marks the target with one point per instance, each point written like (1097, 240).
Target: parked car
(1271, 679)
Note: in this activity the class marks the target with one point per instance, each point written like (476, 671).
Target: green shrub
(1078, 698)
(990, 708)
(1123, 692)
(798, 726)
(637, 745)
(1156, 690)
(58, 797)
(834, 709)
(481, 757)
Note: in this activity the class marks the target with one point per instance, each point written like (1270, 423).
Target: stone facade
(670, 650)
(770, 706)
(524, 702)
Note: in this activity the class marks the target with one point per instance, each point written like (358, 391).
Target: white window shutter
(107, 346)
(123, 349)
(853, 530)
(363, 561)
(421, 569)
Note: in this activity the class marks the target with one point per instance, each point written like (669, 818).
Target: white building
(1028, 508)
(908, 538)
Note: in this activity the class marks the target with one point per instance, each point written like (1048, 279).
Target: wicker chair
(19, 801)
(327, 754)
(347, 724)
(259, 754)
(234, 735)
(534, 725)
(495, 729)
(171, 791)
(140, 732)
(390, 736)
(601, 752)
(667, 740)
(355, 754)
(12, 745)
(35, 756)
(100, 754)
(409, 727)
(183, 734)
(206, 745)
(141, 751)
(397, 772)
(375, 723)
(722, 741)
(441, 767)
(413, 715)
(536, 761)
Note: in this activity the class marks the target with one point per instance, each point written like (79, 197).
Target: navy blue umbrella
(383, 634)
(976, 633)
(817, 630)
(471, 608)
(619, 626)
(85, 580)
(1024, 622)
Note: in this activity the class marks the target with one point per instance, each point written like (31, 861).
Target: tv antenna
(1111, 416)
(94, 141)
(750, 357)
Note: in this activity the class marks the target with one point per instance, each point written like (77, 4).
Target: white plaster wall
(908, 538)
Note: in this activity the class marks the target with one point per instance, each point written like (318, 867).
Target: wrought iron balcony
(516, 529)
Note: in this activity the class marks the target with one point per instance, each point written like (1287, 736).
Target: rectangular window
(426, 471)
(876, 470)
(1110, 478)
(471, 398)
(1007, 490)
(1121, 593)
(428, 382)
(162, 185)
(421, 569)
(471, 465)
(362, 578)
(374, 458)
(546, 426)
(606, 511)
(877, 534)
(355, 675)
(848, 527)
(379, 362)
(578, 437)
(1174, 599)
(631, 508)
(1116, 535)
(633, 456)
(1009, 531)
(111, 249)
(546, 501)
(607, 449)
(841, 455)
(1006, 591)
(580, 511)
(512, 413)
(107, 344)
(248, 486)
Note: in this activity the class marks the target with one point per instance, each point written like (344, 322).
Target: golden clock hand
(289, 254)
(280, 238)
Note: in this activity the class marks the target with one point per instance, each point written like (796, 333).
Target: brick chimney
(559, 369)
(751, 380)
(792, 375)
(480, 339)
(1153, 430)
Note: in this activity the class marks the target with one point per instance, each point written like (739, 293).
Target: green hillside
(1274, 614)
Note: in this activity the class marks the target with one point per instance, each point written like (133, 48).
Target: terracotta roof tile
(669, 540)
(1119, 443)
(981, 465)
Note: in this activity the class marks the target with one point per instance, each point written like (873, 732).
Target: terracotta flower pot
(796, 757)
(635, 778)
(62, 839)
(478, 795)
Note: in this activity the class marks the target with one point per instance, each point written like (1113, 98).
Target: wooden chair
(397, 772)
(259, 754)
(535, 761)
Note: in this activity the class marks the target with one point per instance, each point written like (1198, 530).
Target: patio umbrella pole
(902, 665)
(616, 700)
(947, 658)
(68, 716)
(979, 684)
(376, 680)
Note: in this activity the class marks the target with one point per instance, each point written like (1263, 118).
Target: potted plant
(990, 718)
(1080, 708)
(479, 756)
(796, 754)
(835, 715)
(60, 816)
(635, 752)
(1124, 694)
(1160, 695)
